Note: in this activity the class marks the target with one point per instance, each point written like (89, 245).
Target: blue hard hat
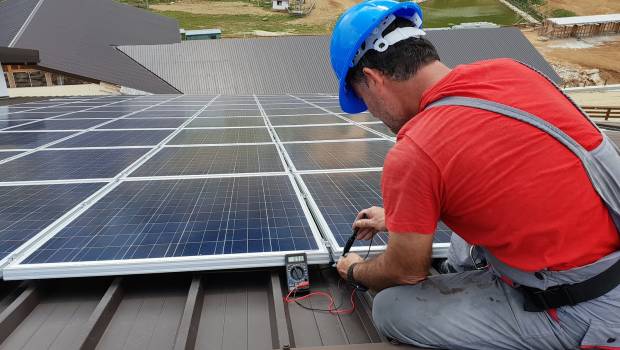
(351, 31)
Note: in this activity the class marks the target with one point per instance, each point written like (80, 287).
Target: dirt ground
(214, 8)
(601, 53)
(583, 8)
(326, 12)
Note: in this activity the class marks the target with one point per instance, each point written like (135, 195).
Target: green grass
(239, 25)
(562, 13)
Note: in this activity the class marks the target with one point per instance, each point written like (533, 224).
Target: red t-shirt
(497, 182)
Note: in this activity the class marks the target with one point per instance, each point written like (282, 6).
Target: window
(279, 2)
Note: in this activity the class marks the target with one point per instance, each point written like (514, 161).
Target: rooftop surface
(577, 20)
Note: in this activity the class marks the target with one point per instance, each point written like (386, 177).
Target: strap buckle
(539, 300)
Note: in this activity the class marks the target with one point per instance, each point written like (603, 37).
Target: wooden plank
(18, 310)
(9, 74)
(188, 329)
(101, 316)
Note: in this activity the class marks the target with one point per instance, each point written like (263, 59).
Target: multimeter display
(297, 272)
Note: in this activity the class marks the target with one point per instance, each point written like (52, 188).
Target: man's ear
(374, 78)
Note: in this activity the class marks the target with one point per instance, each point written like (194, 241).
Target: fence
(602, 112)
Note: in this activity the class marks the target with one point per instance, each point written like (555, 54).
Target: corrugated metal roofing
(77, 37)
(218, 311)
(13, 14)
(9, 55)
(300, 64)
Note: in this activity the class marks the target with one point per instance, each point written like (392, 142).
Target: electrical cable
(332, 308)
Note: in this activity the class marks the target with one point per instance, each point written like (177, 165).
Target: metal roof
(300, 64)
(13, 14)
(576, 20)
(77, 37)
(232, 310)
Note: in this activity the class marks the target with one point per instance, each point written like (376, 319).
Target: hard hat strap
(376, 41)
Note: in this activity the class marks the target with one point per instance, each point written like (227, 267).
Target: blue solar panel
(26, 210)
(25, 140)
(294, 111)
(145, 123)
(69, 164)
(362, 117)
(162, 114)
(331, 132)
(29, 115)
(382, 128)
(336, 155)
(173, 218)
(94, 114)
(61, 124)
(341, 196)
(7, 123)
(229, 113)
(5, 155)
(212, 160)
(214, 136)
(227, 122)
(116, 138)
(306, 119)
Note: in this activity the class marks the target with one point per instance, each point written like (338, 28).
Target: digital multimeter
(297, 272)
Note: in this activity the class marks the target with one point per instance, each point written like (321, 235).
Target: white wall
(4, 92)
(283, 5)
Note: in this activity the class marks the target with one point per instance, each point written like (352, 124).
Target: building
(580, 26)
(280, 5)
(201, 34)
(76, 42)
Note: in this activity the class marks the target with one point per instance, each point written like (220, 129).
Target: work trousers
(476, 310)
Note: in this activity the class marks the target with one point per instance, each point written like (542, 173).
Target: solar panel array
(125, 184)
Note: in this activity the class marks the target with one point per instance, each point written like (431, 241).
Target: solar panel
(182, 218)
(116, 138)
(163, 123)
(336, 155)
(332, 132)
(69, 164)
(212, 160)
(7, 123)
(29, 115)
(25, 140)
(227, 122)
(382, 128)
(95, 114)
(162, 114)
(362, 117)
(26, 210)
(306, 119)
(214, 136)
(340, 196)
(61, 124)
(5, 155)
(293, 111)
(229, 113)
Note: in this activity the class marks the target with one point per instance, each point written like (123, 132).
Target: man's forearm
(377, 275)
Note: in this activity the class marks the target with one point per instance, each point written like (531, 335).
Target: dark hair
(400, 61)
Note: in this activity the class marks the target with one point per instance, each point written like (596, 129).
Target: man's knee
(392, 310)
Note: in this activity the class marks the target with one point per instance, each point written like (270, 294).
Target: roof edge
(148, 70)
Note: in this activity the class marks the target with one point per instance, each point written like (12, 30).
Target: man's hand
(369, 222)
(346, 261)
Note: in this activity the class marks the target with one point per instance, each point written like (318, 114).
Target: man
(523, 190)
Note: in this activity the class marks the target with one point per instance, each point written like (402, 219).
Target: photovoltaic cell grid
(69, 164)
(28, 140)
(314, 133)
(338, 155)
(144, 123)
(172, 218)
(212, 160)
(215, 136)
(340, 196)
(116, 138)
(61, 124)
(26, 210)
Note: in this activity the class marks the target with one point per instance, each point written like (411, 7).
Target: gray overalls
(477, 310)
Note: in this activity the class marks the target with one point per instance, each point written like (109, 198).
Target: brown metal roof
(232, 310)
(13, 14)
(300, 64)
(77, 37)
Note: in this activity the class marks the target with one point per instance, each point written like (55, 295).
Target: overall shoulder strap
(602, 164)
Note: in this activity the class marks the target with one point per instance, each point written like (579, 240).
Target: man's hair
(400, 61)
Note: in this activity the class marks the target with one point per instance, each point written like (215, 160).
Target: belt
(537, 300)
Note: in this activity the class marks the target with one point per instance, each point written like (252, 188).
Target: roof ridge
(25, 24)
